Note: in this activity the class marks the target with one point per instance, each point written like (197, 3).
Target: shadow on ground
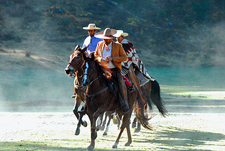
(180, 139)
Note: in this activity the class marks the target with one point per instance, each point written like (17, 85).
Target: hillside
(165, 33)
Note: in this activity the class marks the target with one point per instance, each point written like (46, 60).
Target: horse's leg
(100, 111)
(134, 123)
(75, 112)
(138, 129)
(107, 126)
(118, 137)
(99, 122)
(93, 118)
(118, 125)
(125, 124)
(93, 134)
(104, 121)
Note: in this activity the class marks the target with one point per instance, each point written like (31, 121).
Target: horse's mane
(100, 71)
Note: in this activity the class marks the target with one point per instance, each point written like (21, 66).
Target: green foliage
(165, 27)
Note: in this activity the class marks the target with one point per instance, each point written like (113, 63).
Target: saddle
(112, 84)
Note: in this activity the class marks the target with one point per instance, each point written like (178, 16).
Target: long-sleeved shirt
(117, 53)
(92, 43)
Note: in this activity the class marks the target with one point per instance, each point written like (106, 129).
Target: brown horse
(78, 59)
(100, 99)
(71, 69)
(151, 93)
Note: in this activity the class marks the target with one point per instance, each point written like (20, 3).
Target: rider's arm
(122, 56)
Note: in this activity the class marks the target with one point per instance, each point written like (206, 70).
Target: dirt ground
(195, 121)
(55, 131)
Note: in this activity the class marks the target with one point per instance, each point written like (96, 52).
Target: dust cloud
(208, 44)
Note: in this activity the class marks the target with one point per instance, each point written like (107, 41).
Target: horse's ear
(84, 49)
(77, 47)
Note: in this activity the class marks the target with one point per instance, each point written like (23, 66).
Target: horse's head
(76, 60)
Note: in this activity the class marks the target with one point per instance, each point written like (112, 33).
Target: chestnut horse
(100, 99)
(71, 70)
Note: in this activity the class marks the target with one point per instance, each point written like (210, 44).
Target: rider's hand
(103, 60)
(108, 58)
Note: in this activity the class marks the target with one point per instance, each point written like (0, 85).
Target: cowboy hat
(120, 33)
(91, 27)
(106, 34)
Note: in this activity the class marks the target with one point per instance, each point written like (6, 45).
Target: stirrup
(73, 96)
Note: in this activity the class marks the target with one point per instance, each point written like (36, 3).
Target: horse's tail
(139, 109)
(156, 99)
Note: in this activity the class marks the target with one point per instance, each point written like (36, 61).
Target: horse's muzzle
(67, 70)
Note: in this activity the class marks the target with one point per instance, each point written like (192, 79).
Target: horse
(99, 99)
(76, 62)
(151, 93)
(72, 69)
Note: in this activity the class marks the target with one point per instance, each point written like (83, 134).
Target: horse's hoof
(97, 128)
(77, 131)
(84, 124)
(115, 145)
(127, 144)
(137, 130)
(105, 133)
(90, 148)
(102, 128)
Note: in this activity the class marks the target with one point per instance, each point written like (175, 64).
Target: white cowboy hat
(120, 33)
(106, 34)
(91, 27)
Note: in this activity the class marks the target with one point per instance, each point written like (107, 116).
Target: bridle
(90, 83)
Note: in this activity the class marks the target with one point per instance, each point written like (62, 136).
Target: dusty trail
(55, 131)
(195, 122)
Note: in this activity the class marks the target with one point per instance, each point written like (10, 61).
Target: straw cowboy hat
(120, 33)
(106, 34)
(91, 27)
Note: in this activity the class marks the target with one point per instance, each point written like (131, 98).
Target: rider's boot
(122, 94)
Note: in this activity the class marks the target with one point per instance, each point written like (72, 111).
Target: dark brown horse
(100, 99)
(76, 62)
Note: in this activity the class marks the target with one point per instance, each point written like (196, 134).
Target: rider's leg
(122, 93)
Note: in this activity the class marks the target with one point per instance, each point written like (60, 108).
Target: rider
(111, 55)
(91, 41)
(131, 53)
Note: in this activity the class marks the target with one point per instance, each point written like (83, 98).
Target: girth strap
(93, 95)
